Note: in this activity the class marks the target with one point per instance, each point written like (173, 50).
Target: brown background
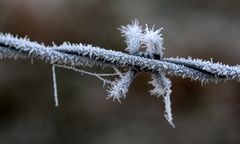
(202, 114)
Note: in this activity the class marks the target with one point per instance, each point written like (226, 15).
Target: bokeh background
(207, 114)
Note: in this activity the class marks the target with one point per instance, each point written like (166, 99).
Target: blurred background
(207, 114)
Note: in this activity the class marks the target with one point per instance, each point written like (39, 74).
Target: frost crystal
(120, 87)
(132, 34)
(162, 87)
(55, 86)
(153, 41)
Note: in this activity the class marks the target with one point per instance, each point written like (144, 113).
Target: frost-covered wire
(72, 56)
(87, 55)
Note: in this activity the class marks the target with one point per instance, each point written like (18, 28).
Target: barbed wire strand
(87, 55)
(72, 56)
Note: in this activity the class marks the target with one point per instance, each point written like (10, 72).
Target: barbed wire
(76, 55)
(73, 56)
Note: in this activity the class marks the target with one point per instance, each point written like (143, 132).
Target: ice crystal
(153, 41)
(132, 34)
(162, 87)
(120, 87)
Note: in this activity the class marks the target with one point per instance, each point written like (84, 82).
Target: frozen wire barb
(153, 41)
(133, 35)
(162, 87)
(120, 87)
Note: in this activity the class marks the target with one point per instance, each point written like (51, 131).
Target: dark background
(206, 114)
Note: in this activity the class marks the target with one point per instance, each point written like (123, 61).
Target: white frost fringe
(162, 87)
(55, 86)
(133, 35)
(153, 41)
(120, 87)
